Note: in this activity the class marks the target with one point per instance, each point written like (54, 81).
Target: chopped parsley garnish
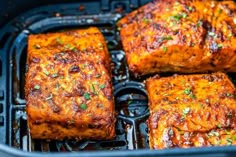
(54, 75)
(184, 15)
(211, 33)
(218, 125)
(229, 95)
(59, 40)
(37, 87)
(57, 85)
(50, 97)
(165, 49)
(219, 45)
(100, 105)
(84, 65)
(46, 72)
(186, 111)
(93, 89)
(178, 17)
(213, 133)
(83, 106)
(193, 96)
(229, 141)
(234, 137)
(37, 46)
(187, 91)
(230, 115)
(67, 46)
(146, 21)
(219, 11)
(167, 38)
(72, 48)
(102, 86)
(71, 121)
(86, 96)
(199, 23)
(218, 142)
(98, 75)
(190, 8)
(176, 3)
(100, 44)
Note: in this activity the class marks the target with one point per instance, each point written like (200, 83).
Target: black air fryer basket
(19, 18)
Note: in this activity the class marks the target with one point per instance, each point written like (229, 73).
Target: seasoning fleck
(86, 96)
(218, 142)
(187, 91)
(219, 45)
(199, 23)
(72, 121)
(167, 38)
(186, 110)
(37, 87)
(100, 105)
(37, 46)
(218, 125)
(213, 133)
(46, 72)
(190, 8)
(102, 86)
(50, 97)
(165, 49)
(211, 33)
(229, 141)
(83, 106)
(93, 89)
(98, 75)
(146, 21)
(59, 40)
(54, 75)
(234, 137)
(57, 86)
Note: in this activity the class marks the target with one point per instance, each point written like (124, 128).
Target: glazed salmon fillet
(186, 36)
(191, 111)
(68, 86)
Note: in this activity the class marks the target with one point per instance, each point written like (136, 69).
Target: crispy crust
(185, 36)
(68, 86)
(191, 110)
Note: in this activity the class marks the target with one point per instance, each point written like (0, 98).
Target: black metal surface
(130, 96)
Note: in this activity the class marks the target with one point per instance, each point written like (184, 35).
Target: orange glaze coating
(191, 110)
(184, 36)
(68, 86)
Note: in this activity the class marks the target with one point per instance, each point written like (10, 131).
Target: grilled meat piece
(180, 36)
(68, 86)
(191, 110)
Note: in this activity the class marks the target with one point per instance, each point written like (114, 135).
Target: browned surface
(180, 36)
(191, 110)
(68, 86)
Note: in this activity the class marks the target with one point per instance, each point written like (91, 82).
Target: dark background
(11, 8)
